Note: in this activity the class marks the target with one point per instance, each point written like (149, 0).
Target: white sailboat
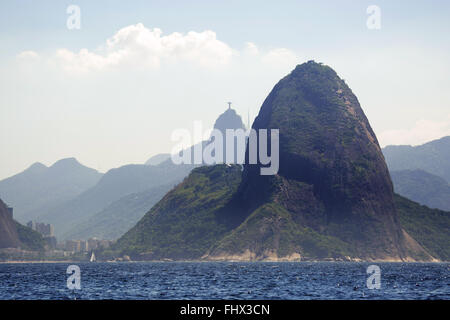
(92, 257)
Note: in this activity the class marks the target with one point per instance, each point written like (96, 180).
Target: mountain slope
(39, 188)
(188, 220)
(9, 238)
(422, 187)
(29, 239)
(271, 233)
(114, 184)
(15, 235)
(432, 157)
(429, 227)
(118, 217)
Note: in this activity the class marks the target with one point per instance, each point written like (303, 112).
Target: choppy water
(208, 280)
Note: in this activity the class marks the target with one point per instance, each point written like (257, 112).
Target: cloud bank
(142, 47)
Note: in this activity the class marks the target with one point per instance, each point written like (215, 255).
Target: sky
(113, 91)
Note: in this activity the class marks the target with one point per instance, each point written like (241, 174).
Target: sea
(224, 280)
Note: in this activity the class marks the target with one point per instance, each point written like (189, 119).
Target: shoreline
(209, 261)
(38, 261)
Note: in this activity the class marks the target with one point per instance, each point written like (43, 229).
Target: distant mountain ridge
(422, 173)
(68, 194)
(119, 216)
(432, 157)
(39, 188)
(158, 159)
(422, 187)
(113, 185)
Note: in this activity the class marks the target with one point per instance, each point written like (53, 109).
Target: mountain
(120, 216)
(113, 185)
(230, 120)
(422, 187)
(333, 196)
(158, 159)
(15, 235)
(422, 173)
(189, 219)
(39, 188)
(432, 157)
(331, 199)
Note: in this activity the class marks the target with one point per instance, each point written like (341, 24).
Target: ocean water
(211, 280)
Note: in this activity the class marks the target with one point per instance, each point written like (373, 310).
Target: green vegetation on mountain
(271, 228)
(30, 239)
(429, 227)
(188, 220)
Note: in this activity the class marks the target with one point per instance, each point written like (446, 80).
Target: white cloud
(28, 55)
(140, 46)
(423, 131)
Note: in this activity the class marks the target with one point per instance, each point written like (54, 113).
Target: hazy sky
(112, 92)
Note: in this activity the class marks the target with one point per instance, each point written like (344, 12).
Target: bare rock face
(9, 237)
